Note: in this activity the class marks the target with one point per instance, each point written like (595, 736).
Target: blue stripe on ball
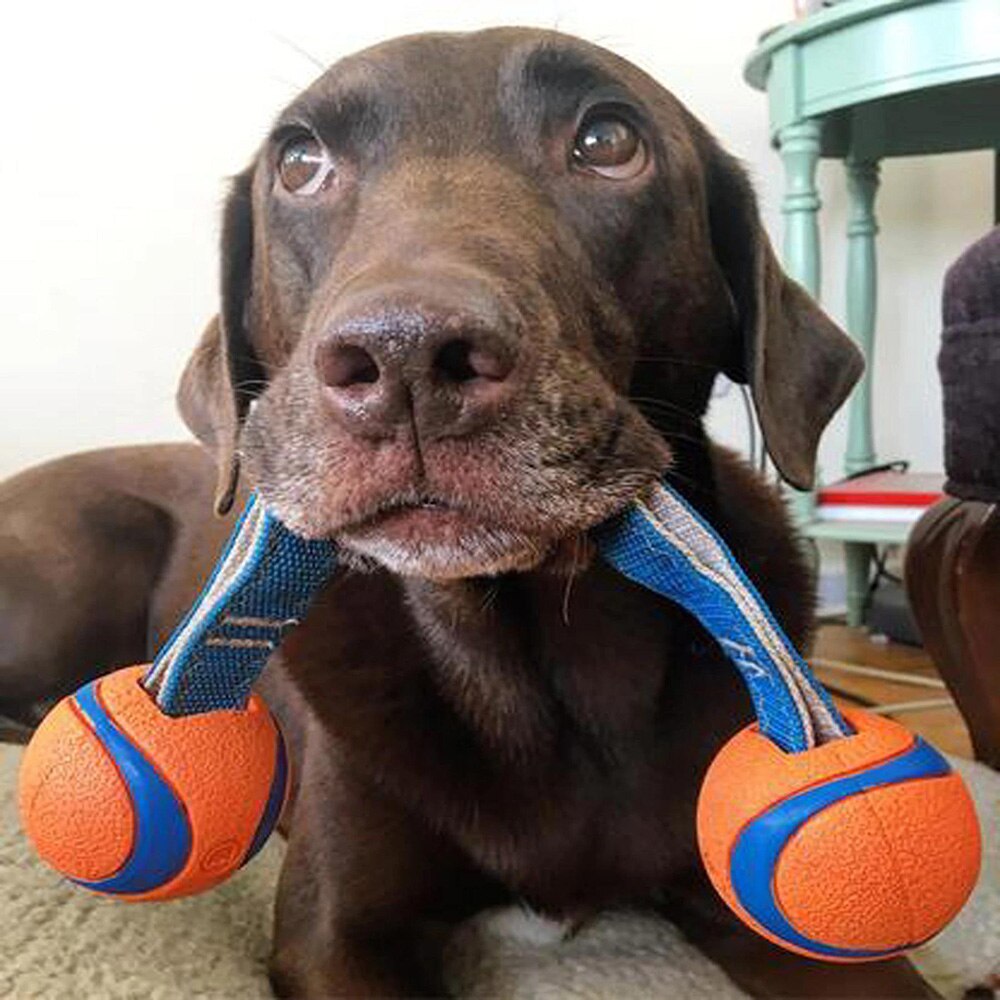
(274, 800)
(161, 839)
(755, 856)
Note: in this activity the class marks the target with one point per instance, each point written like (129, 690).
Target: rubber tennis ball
(856, 850)
(126, 800)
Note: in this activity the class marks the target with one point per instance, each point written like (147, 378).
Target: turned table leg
(799, 148)
(857, 568)
(862, 289)
(862, 185)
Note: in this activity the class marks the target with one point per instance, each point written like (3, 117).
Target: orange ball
(856, 850)
(128, 801)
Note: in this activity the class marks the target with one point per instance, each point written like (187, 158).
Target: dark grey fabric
(969, 363)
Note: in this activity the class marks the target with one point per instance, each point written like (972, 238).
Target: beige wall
(119, 122)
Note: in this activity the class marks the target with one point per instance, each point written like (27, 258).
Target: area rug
(57, 941)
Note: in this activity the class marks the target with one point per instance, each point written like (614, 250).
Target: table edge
(757, 64)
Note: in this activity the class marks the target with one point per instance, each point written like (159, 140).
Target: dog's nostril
(461, 361)
(344, 365)
(452, 362)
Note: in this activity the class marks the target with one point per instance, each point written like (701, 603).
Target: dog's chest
(599, 715)
(559, 742)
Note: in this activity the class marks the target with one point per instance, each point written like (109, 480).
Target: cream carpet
(57, 941)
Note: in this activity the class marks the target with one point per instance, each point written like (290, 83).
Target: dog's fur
(480, 711)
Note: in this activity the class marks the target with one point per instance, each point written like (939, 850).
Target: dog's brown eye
(305, 166)
(609, 146)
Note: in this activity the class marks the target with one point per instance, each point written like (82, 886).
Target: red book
(880, 496)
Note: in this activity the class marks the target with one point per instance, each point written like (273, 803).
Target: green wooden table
(861, 81)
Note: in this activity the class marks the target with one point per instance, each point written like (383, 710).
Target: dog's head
(472, 287)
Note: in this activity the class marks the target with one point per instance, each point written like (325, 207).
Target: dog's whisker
(489, 599)
(672, 359)
(676, 435)
(693, 485)
(688, 439)
(579, 545)
(295, 47)
(666, 405)
(268, 366)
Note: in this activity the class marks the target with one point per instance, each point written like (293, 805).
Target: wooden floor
(941, 726)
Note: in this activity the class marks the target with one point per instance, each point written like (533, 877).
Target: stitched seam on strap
(748, 607)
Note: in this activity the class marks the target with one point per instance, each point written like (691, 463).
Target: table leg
(862, 185)
(799, 147)
(857, 560)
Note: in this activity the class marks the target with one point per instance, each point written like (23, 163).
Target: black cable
(881, 573)
(900, 465)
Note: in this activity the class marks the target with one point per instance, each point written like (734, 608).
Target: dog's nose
(445, 370)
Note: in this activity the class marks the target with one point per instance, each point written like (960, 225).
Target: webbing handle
(267, 577)
(664, 544)
(261, 587)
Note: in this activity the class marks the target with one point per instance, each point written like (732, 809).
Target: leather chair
(953, 557)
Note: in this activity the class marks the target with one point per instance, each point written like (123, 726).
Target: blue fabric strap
(662, 543)
(261, 587)
(268, 576)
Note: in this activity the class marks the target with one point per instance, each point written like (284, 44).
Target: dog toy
(157, 782)
(845, 839)
(842, 837)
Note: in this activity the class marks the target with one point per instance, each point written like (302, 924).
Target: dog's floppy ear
(799, 364)
(222, 376)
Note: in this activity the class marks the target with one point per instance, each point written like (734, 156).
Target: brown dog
(476, 289)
